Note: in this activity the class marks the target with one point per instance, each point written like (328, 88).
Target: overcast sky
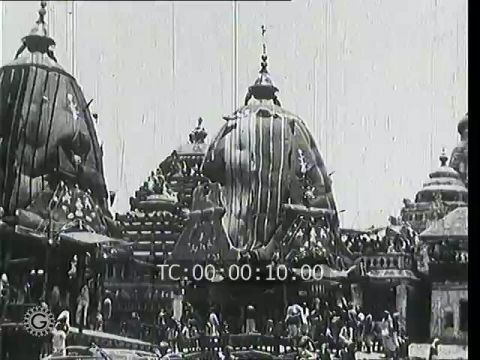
(381, 84)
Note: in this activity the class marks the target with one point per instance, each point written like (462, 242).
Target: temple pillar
(401, 303)
(357, 295)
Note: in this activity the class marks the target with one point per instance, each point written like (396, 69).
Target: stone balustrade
(398, 261)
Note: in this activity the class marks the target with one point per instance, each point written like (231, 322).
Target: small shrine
(441, 193)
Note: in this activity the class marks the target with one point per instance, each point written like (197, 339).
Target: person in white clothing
(59, 334)
(214, 323)
(177, 306)
(59, 338)
(107, 308)
(305, 318)
(250, 324)
(4, 294)
(82, 306)
(294, 320)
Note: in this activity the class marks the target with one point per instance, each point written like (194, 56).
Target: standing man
(107, 311)
(293, 320)
(213, 322)
(59, 334)
(83, 302)
(177, 305)
(250, 325)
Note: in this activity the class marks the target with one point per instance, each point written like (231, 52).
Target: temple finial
(264, 63)
(198, 135)
(443, 157)
(38, 39)
(263, 88)
(264, 45)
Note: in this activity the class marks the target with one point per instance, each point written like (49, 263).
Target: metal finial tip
(42, 12)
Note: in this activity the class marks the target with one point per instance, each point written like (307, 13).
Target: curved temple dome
(259, 158)
(47, 136)
(262, 161)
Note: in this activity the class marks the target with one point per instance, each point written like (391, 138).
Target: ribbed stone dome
(265, 156)
(46, 128)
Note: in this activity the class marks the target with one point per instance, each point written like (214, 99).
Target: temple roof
(444, 179)
(444, 187)
(444, 171)
(454, 225)
(68, 150)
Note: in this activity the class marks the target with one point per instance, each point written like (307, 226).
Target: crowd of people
(373, 243)
(326, 329)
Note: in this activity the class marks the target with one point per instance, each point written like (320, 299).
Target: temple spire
(38, 39)
(263, 88)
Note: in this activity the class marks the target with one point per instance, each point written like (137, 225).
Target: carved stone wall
(445, 319)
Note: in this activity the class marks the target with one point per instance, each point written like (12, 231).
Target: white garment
(345, 336)
(214, 323)
(107, 308)
(250, 326)
(186, 332)
(58, 342)
(305, 315)
(294, 309)
(177, 305)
